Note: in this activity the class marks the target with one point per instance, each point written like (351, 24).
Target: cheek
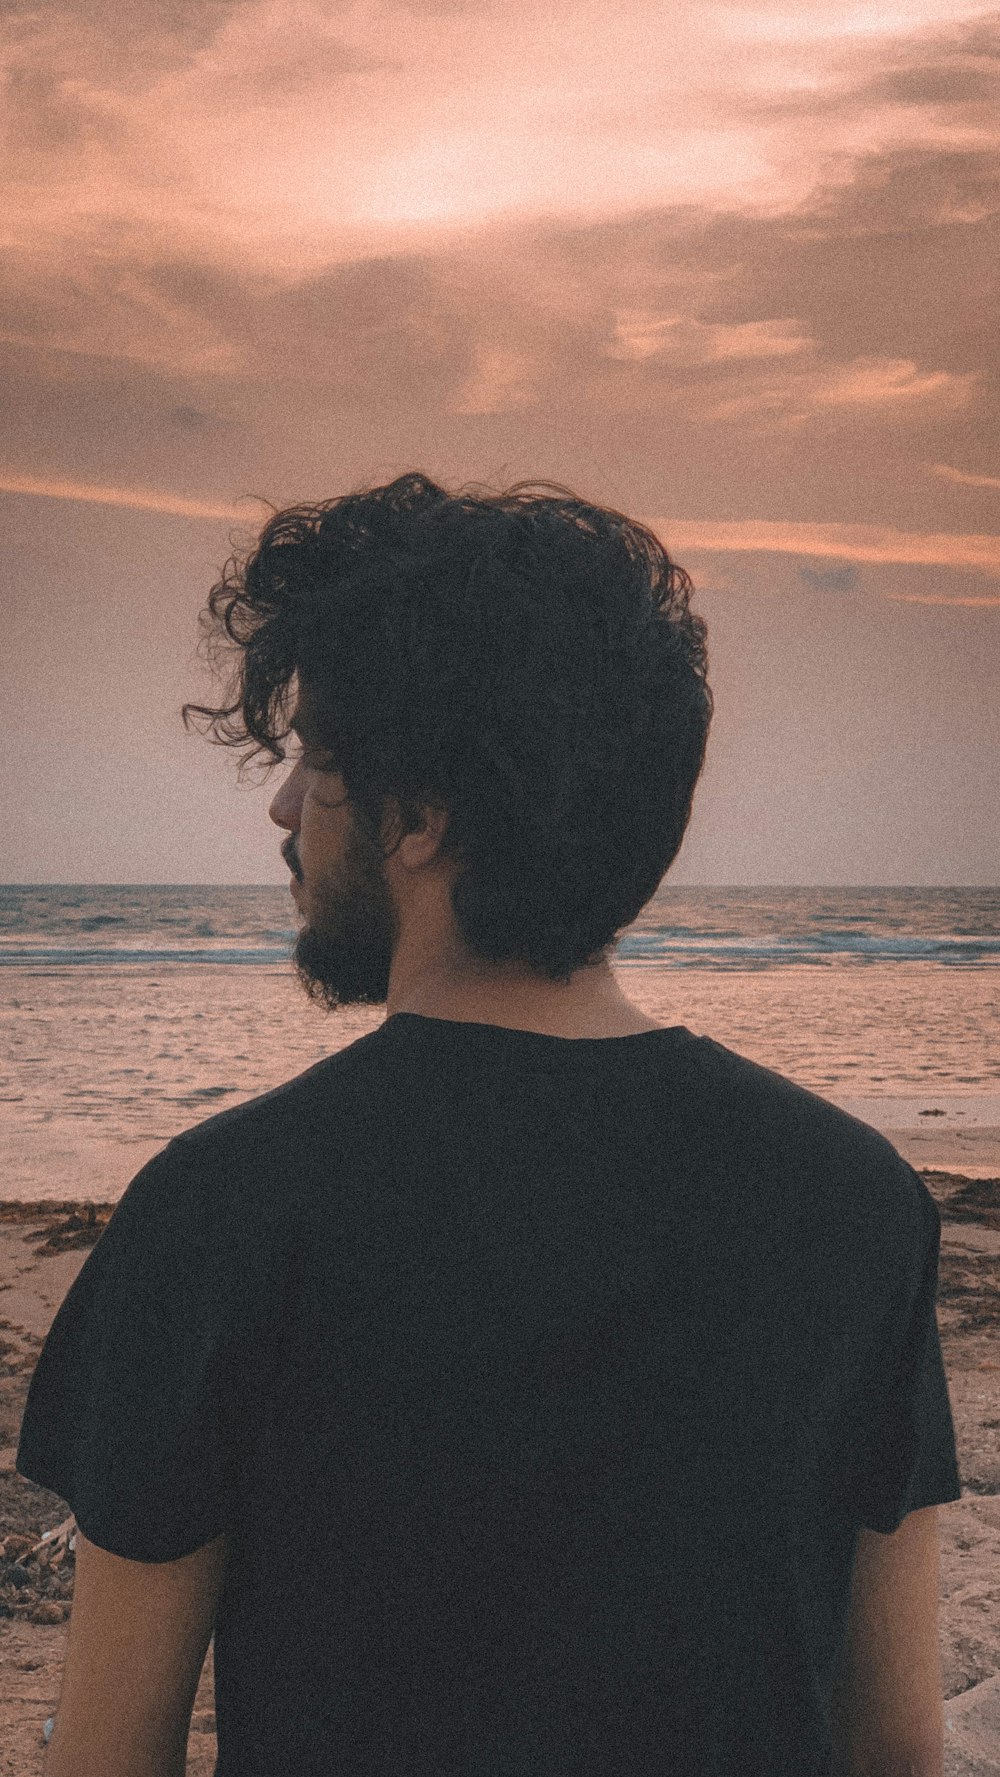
(317, 826)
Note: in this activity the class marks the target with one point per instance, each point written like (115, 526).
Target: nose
(286, 807)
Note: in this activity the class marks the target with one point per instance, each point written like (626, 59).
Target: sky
(729, 269)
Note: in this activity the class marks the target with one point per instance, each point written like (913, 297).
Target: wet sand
(42, 1246)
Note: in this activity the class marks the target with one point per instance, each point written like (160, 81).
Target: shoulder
(782, 1128)
(301, 1110)
(248, 1159)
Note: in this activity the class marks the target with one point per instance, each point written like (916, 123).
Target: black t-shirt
(540, 1385)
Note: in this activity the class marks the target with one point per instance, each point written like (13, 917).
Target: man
(529, 1387)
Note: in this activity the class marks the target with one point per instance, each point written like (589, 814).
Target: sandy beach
(44, 1243)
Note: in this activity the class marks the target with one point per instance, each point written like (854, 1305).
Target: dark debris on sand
(64, 1224)
(37, 1587)
(960, 1198)
(968, 1294)
(978, 1200)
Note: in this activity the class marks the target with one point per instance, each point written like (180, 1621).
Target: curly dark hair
(524, 660)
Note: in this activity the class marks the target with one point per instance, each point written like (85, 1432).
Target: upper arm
(887, 1706)
(139, 1632)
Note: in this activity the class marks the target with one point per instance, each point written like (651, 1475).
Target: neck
(590, 1004)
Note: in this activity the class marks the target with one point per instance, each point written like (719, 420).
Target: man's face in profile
(343, 953)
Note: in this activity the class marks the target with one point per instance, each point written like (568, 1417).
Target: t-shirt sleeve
(130, 1408)
(913, 1460)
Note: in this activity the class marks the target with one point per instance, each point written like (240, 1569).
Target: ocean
(127, 1014)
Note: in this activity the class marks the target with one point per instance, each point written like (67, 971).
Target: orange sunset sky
(731, 269)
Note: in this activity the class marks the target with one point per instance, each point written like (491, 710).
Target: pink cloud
(138, 499)
(367, 129)
(962, 478)
(848, 542)
(929, 598)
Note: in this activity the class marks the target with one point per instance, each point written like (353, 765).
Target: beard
(343, 954)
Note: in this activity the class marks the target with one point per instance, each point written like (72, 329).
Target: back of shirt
(540, 1385)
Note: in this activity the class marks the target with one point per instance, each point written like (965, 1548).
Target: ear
(416, 846)
(421, 846)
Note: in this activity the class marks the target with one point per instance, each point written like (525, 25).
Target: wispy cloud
(845, 542)
(357, 125)
(881, 385)
(986, 602)
(874, 381)
(848, 542)
(418, 244)
(928, 66)
(963, 478)
(137, 498)
(643, 334)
